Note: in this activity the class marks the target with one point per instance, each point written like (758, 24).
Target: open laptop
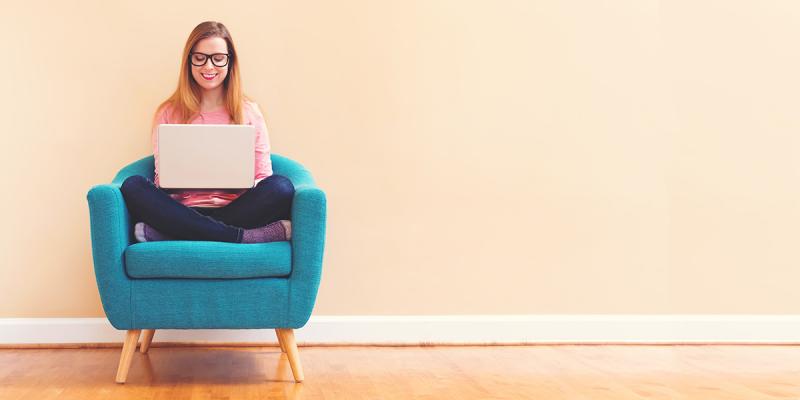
(198, 156)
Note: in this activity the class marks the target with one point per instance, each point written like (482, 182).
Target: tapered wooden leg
(147, 338)
(287, 336)
(280, 341)
(128, 348)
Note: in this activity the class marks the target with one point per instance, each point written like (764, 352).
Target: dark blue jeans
(269, 201)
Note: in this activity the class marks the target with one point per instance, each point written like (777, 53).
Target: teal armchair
(207, 285)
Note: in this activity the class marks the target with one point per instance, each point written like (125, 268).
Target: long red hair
(185, 101)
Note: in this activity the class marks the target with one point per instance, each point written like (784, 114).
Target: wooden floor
(493, 372)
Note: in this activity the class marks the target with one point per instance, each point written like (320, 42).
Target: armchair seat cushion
(185, 259)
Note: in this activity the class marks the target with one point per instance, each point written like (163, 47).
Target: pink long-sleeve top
(218, 197)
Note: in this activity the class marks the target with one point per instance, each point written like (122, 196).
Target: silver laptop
(197, 156)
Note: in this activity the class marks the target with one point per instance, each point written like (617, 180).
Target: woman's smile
(210, 76)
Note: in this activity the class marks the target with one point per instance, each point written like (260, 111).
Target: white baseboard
(467, 329)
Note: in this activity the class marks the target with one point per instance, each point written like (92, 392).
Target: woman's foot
(274, 232)
(146, 233)
(287, 226)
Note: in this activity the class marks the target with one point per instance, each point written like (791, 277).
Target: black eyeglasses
(200, 59)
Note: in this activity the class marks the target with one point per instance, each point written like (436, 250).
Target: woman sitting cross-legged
(209, 92)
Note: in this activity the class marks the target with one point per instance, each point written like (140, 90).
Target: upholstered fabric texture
(189, 284)
(200, 259)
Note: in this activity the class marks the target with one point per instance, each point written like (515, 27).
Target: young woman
(209, 92)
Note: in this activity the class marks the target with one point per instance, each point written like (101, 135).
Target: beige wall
(480, 157)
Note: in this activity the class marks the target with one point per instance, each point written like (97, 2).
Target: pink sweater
(219, 197)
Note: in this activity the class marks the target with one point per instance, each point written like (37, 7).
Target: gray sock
(146, 233)
(273, 232)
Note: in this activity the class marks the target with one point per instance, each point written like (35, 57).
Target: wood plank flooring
(593, 372)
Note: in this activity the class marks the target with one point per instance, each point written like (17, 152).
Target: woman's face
(208, 75)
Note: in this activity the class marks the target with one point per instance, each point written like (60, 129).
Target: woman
(209, 92)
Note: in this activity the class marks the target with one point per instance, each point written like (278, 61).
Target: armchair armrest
(309, 209)
(111, 235)
(308, 244)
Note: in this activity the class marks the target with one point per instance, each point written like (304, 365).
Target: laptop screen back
(197, 156)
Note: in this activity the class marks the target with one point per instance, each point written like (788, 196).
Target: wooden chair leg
(147, 338)
(280, 341)
(128, 348)
(291, 352)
